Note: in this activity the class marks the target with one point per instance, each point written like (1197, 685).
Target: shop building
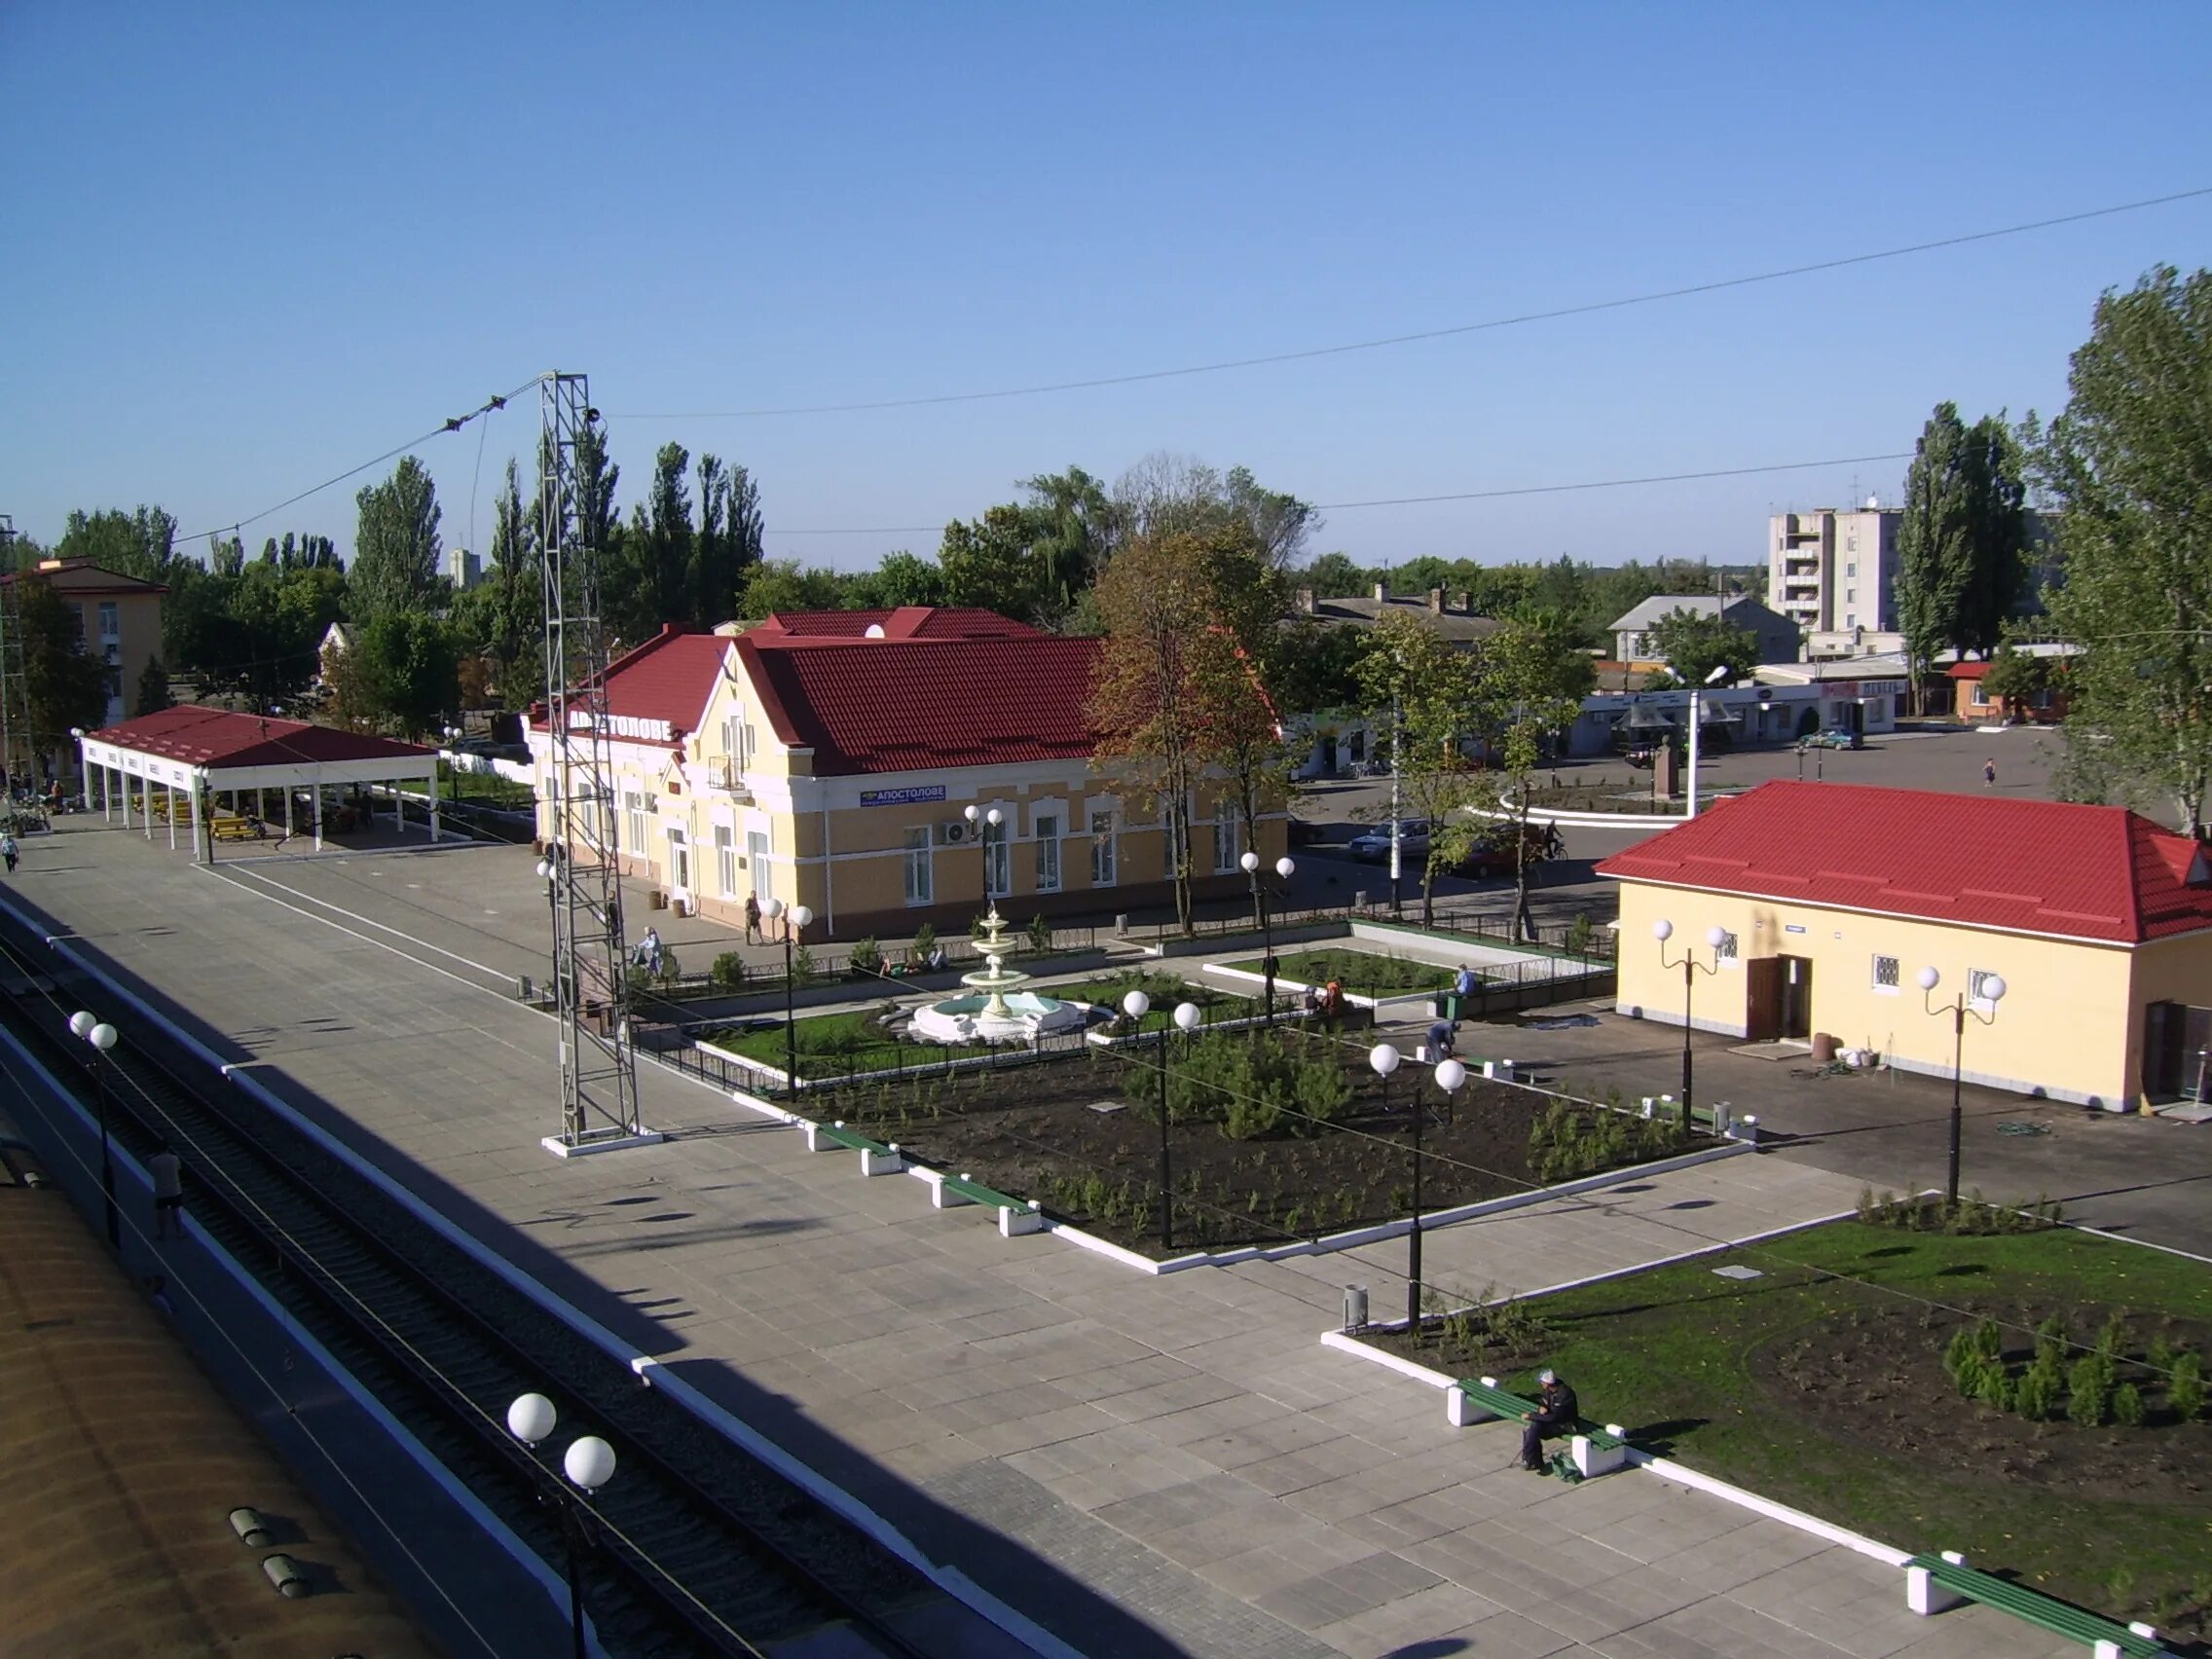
(830, 759)
(1830, 898)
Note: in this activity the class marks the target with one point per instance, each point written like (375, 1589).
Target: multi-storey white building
(1834, 570)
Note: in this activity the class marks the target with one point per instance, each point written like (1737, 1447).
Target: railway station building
(2080, 936)
(830, 759)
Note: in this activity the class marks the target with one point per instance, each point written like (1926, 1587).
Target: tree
(408, 671)
(1334, 575)
(2130, 466)
(1431, 691)
(2014, 678)
(902, 578)
(994, 563)
(780, 585)
(1962, 545)
(514, 634)
(1164, 494)
(63, 686)
(141, 544)
(1532, 681)
(1169, 695)
(1693, 645)
(152, 693)
(395, 548)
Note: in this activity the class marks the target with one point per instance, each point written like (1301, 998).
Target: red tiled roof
(669, 678)
(907, 622)
(2099, 872)
(219, 737)
(919, 703)
(82, 575)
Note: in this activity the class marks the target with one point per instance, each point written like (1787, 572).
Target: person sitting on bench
(1333, 1000)
(1556, 1414)
(1465, 985)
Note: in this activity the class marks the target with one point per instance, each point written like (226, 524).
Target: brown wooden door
(1796, 1000)
(1762, 1007)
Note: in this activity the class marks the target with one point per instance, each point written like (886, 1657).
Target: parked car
(1835, 737)
(1643, 755)
(1375, 844)
(1494, 854)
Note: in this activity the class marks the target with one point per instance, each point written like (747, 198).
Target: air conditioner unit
(952, 832)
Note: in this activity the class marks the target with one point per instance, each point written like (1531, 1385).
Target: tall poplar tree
(2129, 467)
(395, 548)
(1962, 547)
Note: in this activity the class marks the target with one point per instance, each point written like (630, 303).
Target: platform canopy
(203, 753)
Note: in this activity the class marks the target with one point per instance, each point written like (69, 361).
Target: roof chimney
(1436, 601)
(1382, 593)
(1463, 604)
(1305, 601)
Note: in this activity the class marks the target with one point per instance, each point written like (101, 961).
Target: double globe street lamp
(102, 1037)
(1285, 869)
(1136, 1004)
(982, 822)
(1450, 1077)
(1716, 935)
(1985, 988)
(549, 872)
(589, 1464)
(796, 918)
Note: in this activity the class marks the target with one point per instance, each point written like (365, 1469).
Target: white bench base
(1591, 1459)
(891, 1162)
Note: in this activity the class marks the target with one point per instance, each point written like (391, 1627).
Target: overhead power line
(452, 425)
(1463, 495)
(1379, 343)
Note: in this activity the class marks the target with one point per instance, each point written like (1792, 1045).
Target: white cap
(1547, 1375)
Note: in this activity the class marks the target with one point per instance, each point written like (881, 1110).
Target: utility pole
(15, 742)
(591, 980)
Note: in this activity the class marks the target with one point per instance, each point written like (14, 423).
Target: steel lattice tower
(18, 748)
(599, 1080)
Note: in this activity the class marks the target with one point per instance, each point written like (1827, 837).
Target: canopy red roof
(220, 737)
(2096, 872)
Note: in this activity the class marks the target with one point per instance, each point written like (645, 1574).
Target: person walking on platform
(752, 918)
(10, 852)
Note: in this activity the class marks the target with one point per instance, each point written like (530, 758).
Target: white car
(1375, 844)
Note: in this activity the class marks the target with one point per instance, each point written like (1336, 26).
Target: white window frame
(757, 864)
(1729, 952)
(1895, 987)
(1046, 829)
(634, 809)
(679, 843)
(725, 860)
(1228, 839)
(920, 870)
(110, 615)
(998, 858)
(1105, 848)
(1974, 977)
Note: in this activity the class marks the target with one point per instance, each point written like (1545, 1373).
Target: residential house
(118, 619)
(1775, 636)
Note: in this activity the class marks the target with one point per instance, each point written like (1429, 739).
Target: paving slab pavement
(1144, 1465)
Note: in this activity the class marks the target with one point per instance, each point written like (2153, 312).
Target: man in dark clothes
(1556, 1414)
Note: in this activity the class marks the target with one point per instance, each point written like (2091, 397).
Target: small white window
(1885, 973)
(1851, 570)
(1851, 595)
(1725, 950)
(1228, 838)
(1102, 850)
(1046, 828)
(725, 860)
(1977, 988)
(918, 886)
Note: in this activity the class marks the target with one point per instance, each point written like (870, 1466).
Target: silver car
(1375, 843)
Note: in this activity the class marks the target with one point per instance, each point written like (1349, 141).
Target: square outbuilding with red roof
(2080, 936)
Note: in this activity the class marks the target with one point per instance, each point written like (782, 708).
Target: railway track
(699, 1548)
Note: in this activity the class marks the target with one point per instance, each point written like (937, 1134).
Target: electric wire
(1463, 495)
(1652, 297)
(451, 425)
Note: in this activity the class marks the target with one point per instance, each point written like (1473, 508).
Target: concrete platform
(1140, 1466)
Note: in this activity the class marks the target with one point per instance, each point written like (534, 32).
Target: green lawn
(1714, 1371)
(486, 788)
(836, 1044)
(1362, 972)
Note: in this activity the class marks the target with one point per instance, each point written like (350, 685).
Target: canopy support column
(196, 843)
(172, 814)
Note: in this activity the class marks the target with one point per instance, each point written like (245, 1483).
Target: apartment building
(118, 621)
(1834, 570)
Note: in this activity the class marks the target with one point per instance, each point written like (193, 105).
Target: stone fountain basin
(963, 1019)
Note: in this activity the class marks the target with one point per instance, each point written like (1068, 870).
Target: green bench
(876, 1159)
(1592, 1450)
(1935, 1583)
(948, 1192)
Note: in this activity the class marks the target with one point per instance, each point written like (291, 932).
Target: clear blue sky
(251, 245)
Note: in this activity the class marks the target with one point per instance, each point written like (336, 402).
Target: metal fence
(1466, 917)
(835, 966)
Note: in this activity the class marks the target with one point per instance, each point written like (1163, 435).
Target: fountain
(990, 1015)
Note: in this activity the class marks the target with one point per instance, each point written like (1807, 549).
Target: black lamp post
(1285, 869)
(1136, 1004)
(796, 918)
(549, 872)
(102, 1037)
(589, 1464)
(453, 777)
(1988, 988)
(983, 821)
(1716, 935)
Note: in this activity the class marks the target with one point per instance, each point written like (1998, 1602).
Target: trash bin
(1824, 1047)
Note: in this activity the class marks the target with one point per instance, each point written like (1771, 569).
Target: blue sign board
(902, 797)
